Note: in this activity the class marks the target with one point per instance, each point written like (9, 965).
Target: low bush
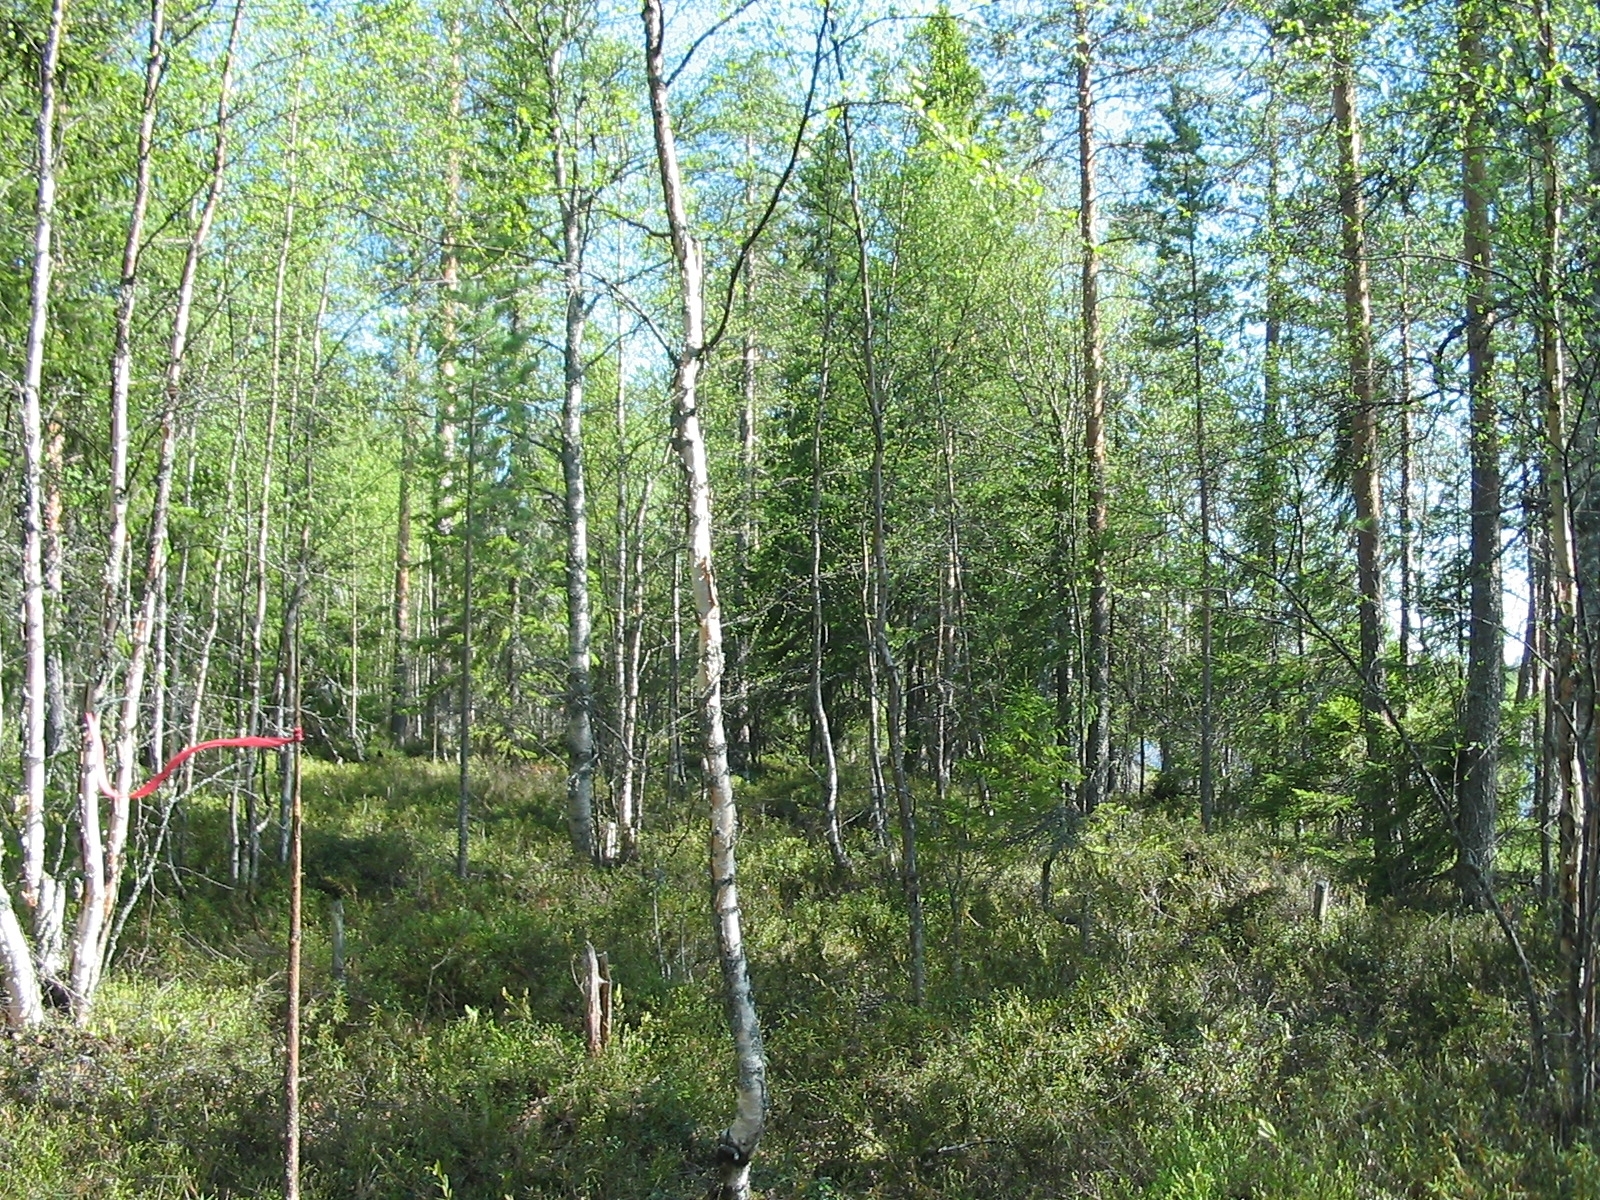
(1173, 1026)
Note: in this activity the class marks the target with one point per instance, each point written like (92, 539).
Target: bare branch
(737, 12)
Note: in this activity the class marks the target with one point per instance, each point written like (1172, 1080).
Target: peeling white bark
(40, 893)
(738, 1142)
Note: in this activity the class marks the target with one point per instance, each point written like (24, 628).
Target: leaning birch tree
(738, 1143)
(739, 1140)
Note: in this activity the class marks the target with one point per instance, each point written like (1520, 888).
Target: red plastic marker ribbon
(92, 724)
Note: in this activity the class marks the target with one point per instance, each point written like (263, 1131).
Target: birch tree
(41, 893)
(739, 1140)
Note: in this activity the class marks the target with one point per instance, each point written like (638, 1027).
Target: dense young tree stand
(1113, 424)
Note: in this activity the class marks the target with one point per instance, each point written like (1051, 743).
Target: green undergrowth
(1172, 1026)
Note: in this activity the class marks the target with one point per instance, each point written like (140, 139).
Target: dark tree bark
(1364, 472)
(401, 725)
(819, 630)
(1097, 746)
(1485, 664)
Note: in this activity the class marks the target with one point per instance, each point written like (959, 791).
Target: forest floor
(1197, 1035)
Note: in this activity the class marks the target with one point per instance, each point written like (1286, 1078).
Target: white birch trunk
(92, 939)
(819, 631)
(580, 688)
(41, 894)
(100, 850)
(255, 772)
(24, 1001)
(739, 1141)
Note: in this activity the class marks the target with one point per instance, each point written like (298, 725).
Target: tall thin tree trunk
(291, 1033)
(1069, 647)
(149, 632)
(100, 847)
(1208, 716)
(1530, 672)
(208, 640)
(676, 770)
(622, 769)
(155, 739)
(630, 807)
(42, 894)
(92, 938)
(289, 627)
(464, 732)
(447, 416)
(1270, 481)
(57, 721)
(256, 771)
(1540, 649)
(909, 877)
(1563, 793)
(628, 624)
(879, 798)
(1365, 474)
(171, 689)
(819, 628)
(1485, 661)
(1403, 500)
(353, 721)
(178, 341)
(1097, 746)
(400, 692)
(948, 657)
(295, 592)
(1580, 815)
(739, 1141)
(743, 748)
(239, 783)
(580, 688)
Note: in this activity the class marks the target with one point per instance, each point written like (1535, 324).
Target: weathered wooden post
(596, 999)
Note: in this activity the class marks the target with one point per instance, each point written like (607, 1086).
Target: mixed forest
(810, 598)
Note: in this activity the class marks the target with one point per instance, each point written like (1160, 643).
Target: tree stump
(596, 999)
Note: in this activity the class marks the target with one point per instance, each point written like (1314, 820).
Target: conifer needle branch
(1442, 802)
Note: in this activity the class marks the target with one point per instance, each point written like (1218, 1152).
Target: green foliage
(1025, 760)
(1315, 779)
(950, 88)
(1194, 1035)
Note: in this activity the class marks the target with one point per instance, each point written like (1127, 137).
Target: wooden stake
(291, 1068)
(338, 939)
